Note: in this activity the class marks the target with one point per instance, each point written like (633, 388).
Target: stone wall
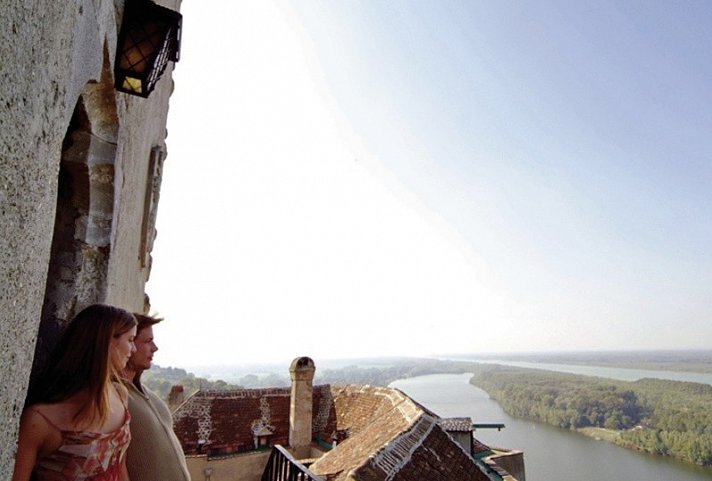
(227, 421)
(463, 439)
(80, 164)
(511, 463)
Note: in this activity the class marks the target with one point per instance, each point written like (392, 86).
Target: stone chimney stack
(176, 397)
(300, 406)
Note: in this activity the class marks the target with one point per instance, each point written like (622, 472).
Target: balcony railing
(281, 466)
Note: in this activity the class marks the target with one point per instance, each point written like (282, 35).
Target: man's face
(145, 347)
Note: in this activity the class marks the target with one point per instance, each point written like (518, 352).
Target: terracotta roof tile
(383, 434)
(460, 425)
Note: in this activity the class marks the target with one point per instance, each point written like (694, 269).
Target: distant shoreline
(693, 361)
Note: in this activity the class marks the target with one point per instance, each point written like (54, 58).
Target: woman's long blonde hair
(82, 361)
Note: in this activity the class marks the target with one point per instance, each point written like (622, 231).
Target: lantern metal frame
(149, 38)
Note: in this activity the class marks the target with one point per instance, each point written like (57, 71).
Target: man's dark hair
(145, 321)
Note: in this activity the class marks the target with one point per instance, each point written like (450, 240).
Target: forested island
(668, 418)
(385, 374)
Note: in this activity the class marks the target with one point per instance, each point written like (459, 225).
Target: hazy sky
(367, 178)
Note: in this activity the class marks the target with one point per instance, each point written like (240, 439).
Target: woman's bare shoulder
(58, 414)
(122, 391)
(40, 426)
(34, 415)
(41, 414)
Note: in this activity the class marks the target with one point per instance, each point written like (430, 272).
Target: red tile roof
(392, 438)
(459, 425)
(383, 435)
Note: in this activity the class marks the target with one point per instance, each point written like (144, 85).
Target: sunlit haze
(371, 178)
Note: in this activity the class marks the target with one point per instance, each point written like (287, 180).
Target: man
(155, 453)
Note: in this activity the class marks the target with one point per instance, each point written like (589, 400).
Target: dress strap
(49, 421)
(123, 393)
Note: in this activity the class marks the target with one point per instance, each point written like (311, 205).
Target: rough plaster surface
(50, 51)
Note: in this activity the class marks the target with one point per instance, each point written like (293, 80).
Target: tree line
(386, 374)
(160, 379)
(668, 418)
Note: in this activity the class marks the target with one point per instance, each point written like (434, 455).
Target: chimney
(175, 397)
(300, 407)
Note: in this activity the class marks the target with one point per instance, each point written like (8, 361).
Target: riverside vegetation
(668, 418)
(160, 379)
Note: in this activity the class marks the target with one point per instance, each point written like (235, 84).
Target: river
(550, 454)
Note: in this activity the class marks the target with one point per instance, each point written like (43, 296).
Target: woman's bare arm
(124, 470)
(34, 432)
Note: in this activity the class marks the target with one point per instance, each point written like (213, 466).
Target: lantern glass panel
(149, 39)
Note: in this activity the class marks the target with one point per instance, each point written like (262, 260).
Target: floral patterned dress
(86, 456)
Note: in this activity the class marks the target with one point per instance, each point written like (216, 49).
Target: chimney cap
(302, 363)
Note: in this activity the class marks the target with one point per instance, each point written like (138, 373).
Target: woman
(76, 425)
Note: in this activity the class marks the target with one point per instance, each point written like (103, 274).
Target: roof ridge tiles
(397, 453)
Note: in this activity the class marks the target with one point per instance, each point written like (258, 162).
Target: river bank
(615, 437)
(601, 434)
(660, 417)
(551, 454)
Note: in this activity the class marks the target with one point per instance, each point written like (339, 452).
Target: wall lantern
(149, 38)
